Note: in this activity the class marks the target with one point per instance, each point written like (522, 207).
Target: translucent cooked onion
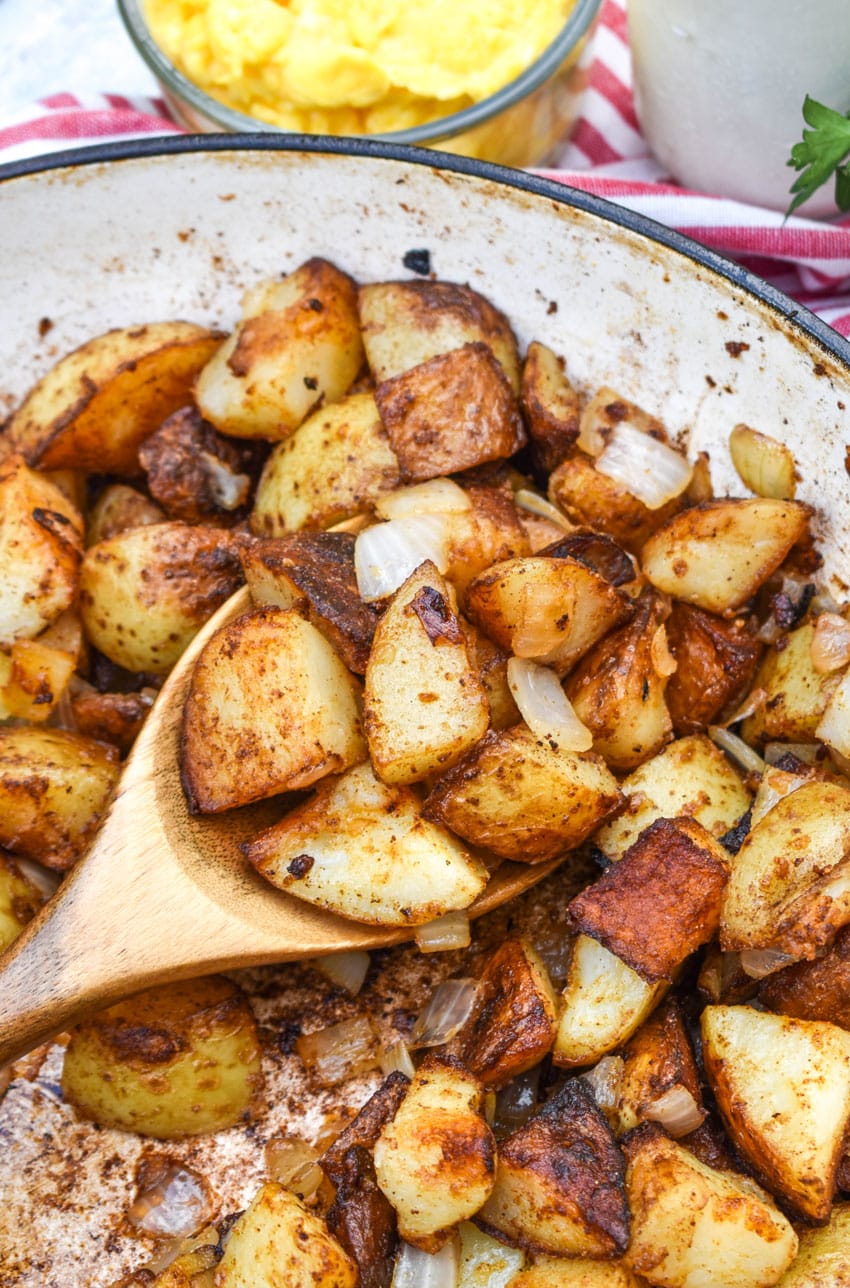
(753, 702)
(663, 662)
(436, 496)
(775, 784)
(834, 726)
(545, 707)
(536, 504)
(807, 752)
(294, 1164)
(676, 1111)
(175, 1206)
(444, 933)
(340, 1052)
(758, 962)
(397, 1058)
(605, 1079)
(387, 553)
(445, 1013)
(737, 749)
(516, 1102)
(346, 970)
(830, 647)
(647, 468)
(229, 490)
(764, 465)
(44, 879)
(417, 1269)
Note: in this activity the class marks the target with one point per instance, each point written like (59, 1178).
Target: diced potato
(92, 410)
(789, 887)
(657, 1061)
(589, 497)
(559, 1182)
(40, 548)
(38, 675)
(335, 465)
(796, 695)
(492, 664)
(694, 1225)
(118, 509)
(522, 798)
(365, 1128)
(436, 1159)
(618, 688)
(424, 704)
(112, 717)
(144, 594)
(514, 1018)
(362, 1219)
(278, 1241)
(20, 900)
(824, 1257)
(690, 777)
(179, 1060)
(551, 405)
(604, 1001)
(660, 902)
(597, 551)
(607, 410)
(407, 323)
(196, 474)
(563, 1272)
(54, 789)
(718, 554)
(548, 609)
(488, 531)
(296, 347)
(451, 413)
(814, 990)
(236, 749)
(783, 1089)
(361, 848)
(716, 661)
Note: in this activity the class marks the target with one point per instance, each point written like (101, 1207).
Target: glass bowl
(522, 124)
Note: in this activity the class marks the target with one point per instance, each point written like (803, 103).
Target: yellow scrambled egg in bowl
(364, 67)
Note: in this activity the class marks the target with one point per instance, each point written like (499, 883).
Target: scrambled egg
(352, 66)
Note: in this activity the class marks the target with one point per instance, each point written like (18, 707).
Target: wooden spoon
(162, 895)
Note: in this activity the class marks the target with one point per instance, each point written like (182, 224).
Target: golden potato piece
(363, 849)
(235, 749)
(564, 1272)
(335, 465)
(424, 703)
(407, 323)
(716, 555)
(278, 1241)
(179, 1060)
(789, 887)
(436, 1160)
(824, 1257)
(20, 900)
(690, 777)
(551, 405)
(492, 665)
(523, 798)
(37, 677)
(603, 1002)
(692, 1224)
(796, 695)
(783, 1089)
(559, 1182)
(814, 990)
(118, 509)
(715, 664)
(487, 532)
(296, 347)
(589, 497)
(40, 549)
(54, 789)
(92, 410)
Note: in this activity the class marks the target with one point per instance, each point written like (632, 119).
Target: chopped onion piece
(758, 962)
(545, 707)
(834, 727)
(340, 1052)
(676, 1111)
(736, 748)
(288, 1158)
(44, 879)
(445, 1013)
(775, 784)
(646, 467)
(605, 1080)
(176, 1205)
(764, 465)
(663, 662)
(229, 490)
(806, 752)
(516, 1102)
(387, 553)
(436, 496)
(417, 1269)
(830, 647)
(346, 970)
(753, 702)
(444, 933)
(536, 504)
(397, 1059)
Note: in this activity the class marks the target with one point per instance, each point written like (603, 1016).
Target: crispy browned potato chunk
(560, 1182)
(364, 1130)
(782, 1086)
(658, 1062)
(523, 798)
(814, 990)
(40, 548)
(660, 902)
(296, 347)
(20, 900)
(363, 1220)
(54, 788)
(118, 509)
(173, 1061)
(551, 405)
(111, 717)
(693, 1224)
(597, 551)
(618, 688)
(589, 497)
(489, 531)
(277, 1240)
(145, 594)
(196, 474)
(716, 660)
(451, 413)
(236, 749)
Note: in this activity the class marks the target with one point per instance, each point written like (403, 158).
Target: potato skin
(551, 406)
(717, 660)
(173, 1061)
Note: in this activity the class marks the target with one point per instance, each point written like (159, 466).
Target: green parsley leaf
(820, 155)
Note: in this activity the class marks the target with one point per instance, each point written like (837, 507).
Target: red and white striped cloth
(807, 259)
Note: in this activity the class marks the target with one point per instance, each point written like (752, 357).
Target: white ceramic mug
(720, 84)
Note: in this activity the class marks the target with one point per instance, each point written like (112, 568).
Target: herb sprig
(824, 151)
